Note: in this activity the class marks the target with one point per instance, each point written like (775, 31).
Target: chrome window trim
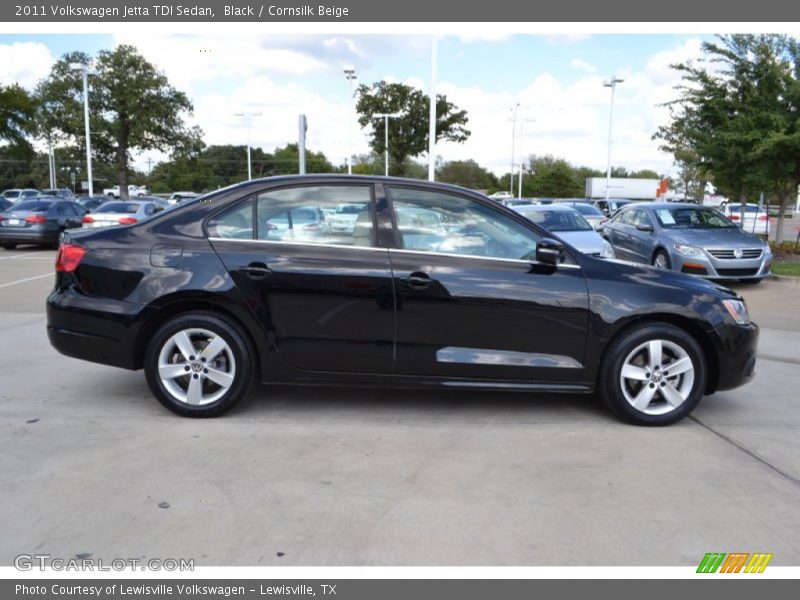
(404, 251)
(295, 243)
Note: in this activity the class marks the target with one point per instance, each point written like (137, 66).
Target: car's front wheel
(199, 365)
(653, 375)
(661, 260)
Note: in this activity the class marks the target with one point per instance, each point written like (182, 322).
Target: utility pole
(84, 69)
(351, 77)
(386, 117)
(513, 120)
(248, 119)
(432, 116)
(611, 83)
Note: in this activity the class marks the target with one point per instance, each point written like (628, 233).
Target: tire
(662, 400)
(9, 245)
(184, 384)
(661, 260)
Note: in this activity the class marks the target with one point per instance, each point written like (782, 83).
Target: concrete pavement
(375, 477)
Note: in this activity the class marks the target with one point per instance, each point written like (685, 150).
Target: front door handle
(256, 270)
(418, 280)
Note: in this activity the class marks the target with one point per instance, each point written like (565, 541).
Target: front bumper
(719, 268)
(737, 355)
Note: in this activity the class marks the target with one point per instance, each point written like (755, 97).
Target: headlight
(767, 250)
(738, 310)
(607, 251)
(688, 250)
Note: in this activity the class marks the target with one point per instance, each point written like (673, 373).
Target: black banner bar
(383, 589)
(495, 11)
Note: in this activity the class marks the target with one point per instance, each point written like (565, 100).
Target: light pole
(513, 120)
(248, 119)
(350, 76)
(84, 69)
(521, 143)
(612, 83)
(386, 117)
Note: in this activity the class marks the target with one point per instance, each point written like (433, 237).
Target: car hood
(714, 238)
(649, 275)
(588, 242)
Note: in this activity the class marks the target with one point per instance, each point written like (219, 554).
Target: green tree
(132, 104)
(736, 117)
(466, 173)
(16, 119)
(408, 133)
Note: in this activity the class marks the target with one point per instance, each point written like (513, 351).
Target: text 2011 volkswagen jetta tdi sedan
(432, 286)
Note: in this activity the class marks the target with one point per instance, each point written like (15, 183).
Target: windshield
(558, 220)
(587, 210)
(11, 194)
(350, 209)
(692, 218)
(119, 207)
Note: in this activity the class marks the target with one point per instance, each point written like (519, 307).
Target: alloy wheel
(196, 366)
(657, 377)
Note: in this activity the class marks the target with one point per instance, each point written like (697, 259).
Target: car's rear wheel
(653, 375)
(199, 365)
(9, 245)
(661, 260)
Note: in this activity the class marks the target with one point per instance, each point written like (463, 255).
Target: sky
(557, 81)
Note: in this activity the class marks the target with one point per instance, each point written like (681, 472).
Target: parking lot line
(26, 255)
(10, 283)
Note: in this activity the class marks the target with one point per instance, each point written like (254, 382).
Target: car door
(324, 299)
(471, 304)
(641, 240)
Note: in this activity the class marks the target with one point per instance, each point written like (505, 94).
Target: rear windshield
(119, 207)
(587, 209)
(33, 205)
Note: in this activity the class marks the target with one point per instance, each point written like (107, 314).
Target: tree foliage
(408, 133)
(736, 119)
(16, 119)
(132, 107)
(466, 173)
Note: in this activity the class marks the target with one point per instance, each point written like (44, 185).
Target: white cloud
(582, 65)
(24, 63)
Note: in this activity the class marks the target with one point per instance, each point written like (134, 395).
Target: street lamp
(350, 76)
(611, 83)
(513, 120)
(84, 69)
(248, 119)
(386, 117)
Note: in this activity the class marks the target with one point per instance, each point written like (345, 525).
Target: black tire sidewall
(665, 255)
(238, 344)
(618, 350)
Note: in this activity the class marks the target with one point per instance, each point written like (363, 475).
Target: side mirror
(549, 251)
(644, 227)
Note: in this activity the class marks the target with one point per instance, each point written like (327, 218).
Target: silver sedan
(688, 238)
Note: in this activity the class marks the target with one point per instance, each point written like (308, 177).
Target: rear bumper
(95, 329)
(28, 236)
(737, 355)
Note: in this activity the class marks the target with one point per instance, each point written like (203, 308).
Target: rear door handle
(418, 280)
(256, 270)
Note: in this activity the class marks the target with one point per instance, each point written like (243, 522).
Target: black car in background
(206, 299)
(38, 221)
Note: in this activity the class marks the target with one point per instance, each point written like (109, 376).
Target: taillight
(88, 220)
(127, 221)
(734, 217)
(36, 219)
(69, 257)
(763, 218)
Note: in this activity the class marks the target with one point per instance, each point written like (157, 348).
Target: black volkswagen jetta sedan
(427, 285)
